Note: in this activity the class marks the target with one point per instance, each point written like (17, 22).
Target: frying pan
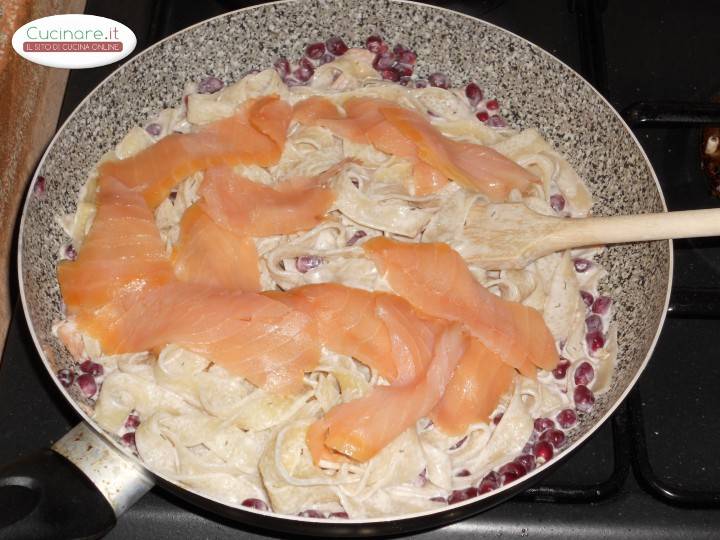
(88, 479)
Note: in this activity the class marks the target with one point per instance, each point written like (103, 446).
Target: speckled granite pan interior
(535, 90)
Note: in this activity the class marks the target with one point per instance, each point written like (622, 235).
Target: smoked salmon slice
(208, 254)
(252, 209)
(474, 391)
(347, 323)
(361, 116)
(474, 166)
(314, 108)
(123, 250)
(359, 429)
(405, 133)
(253, 336)
(436, 279)
(254, 135)
(412, 337)
(427, 180)
(380, 330)
(364, 123)
(270, 116)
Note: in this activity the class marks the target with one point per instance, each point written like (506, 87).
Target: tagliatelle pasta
(219, 435)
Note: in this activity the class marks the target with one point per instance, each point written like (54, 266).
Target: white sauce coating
(219, 435)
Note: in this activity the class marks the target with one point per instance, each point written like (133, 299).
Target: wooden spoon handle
(640, 227)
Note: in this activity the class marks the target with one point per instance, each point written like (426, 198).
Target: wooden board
(29, 109)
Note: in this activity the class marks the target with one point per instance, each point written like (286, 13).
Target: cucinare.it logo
(74, 41)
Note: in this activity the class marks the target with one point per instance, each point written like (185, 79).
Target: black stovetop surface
(651, 472)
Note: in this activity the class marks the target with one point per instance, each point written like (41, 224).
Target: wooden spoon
(511, 235)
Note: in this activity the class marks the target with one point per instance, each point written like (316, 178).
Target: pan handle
(76, 490)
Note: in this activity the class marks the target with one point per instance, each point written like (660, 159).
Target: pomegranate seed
(473, 93)
(336, 46)
(492, 478)
(375, 44)
(489, 482)
(485, 488)
(594, 323)
(355, 237)
(458, 444)
(307, 262)
(88, 366)
(462, 473)
(582, 265)
(462, 495)
(66, 377)
(303, 74)
(306, 63)
(492, 105)
(507, 477)
(400, 48)
(439, 499)
(210, 85)
(584, 398)
(87, 384)
(257, 504)
(341, 515)
(128, 439)
(554, 437)
(384, 60)
(557, 202)
(594, 340)
(561, 369)
(185, 101)
(439, 80)
(587, 298)
(282, 66)
(70, 252)
(154, 129)
(312, 514)
(497, 121)
(326, 58)
(405, 81)
(421, 83)
(497, 418)
(543, 424)
(39, 187)
(315, 50)
(390, 74)
(543, 450)
(584, 374)
(132, 421)
(406, 57)
(404, 70)
(526, 461)
(601, 305)
(566, 418)
(513, 468)
(482, 116)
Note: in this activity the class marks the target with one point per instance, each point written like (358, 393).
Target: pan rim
(460, 507)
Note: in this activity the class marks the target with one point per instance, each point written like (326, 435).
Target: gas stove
(650, 472)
